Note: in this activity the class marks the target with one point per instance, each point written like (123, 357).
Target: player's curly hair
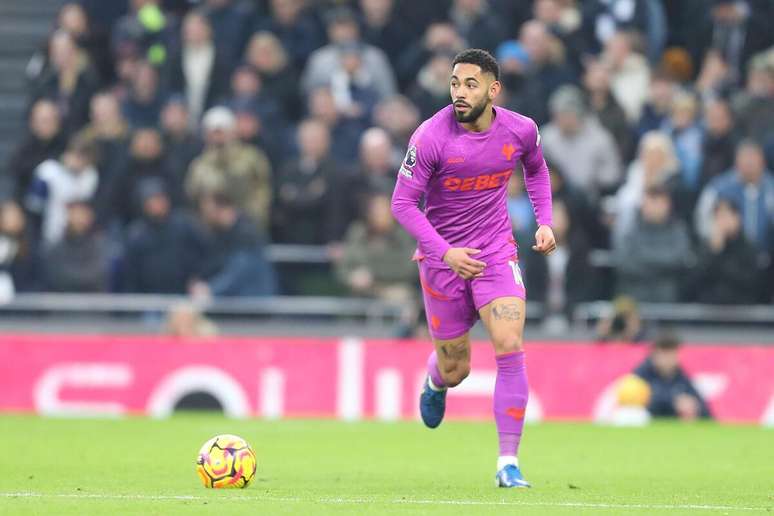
(481, 58)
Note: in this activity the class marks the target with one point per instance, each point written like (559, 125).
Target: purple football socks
(510, 401)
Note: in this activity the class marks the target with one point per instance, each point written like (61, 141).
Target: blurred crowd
(168, 142)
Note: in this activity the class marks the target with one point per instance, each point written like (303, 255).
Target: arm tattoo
(506, 312)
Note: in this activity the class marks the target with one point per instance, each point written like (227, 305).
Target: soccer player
(460, 161)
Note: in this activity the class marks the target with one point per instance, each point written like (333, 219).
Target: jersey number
(516, 272)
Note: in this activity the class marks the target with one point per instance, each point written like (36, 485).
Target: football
(226, 461)
(632, 391)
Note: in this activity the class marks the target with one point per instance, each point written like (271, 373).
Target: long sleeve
(419, 165)
(537, 180)
(405, 209)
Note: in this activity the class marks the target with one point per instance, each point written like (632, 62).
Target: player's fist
(459, 260)
(545, 242)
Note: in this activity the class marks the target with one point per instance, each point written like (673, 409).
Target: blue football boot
(510, 476)
(432, 405)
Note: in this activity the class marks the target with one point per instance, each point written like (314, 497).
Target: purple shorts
(452, 303)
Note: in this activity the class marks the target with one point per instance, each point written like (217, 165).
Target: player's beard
(473, 114)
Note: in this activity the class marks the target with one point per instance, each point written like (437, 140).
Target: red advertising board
(345, 378)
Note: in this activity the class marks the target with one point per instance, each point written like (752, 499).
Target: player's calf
(454, 376)
(508, 343)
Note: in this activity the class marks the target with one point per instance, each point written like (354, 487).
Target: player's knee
(454, 377)
(508, 344)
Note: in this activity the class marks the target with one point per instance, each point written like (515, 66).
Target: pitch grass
(141, 466)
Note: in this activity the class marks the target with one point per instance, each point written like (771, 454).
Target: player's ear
(494, 89)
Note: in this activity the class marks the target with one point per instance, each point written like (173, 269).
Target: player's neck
(483, 122)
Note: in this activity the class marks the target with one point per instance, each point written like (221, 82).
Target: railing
(683, 312)
(257, 306)
(296, 253)
(370, 310)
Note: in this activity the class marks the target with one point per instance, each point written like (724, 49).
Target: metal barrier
(683, 312)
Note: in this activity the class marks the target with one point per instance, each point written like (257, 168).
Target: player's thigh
(504, 318)
(449, 307)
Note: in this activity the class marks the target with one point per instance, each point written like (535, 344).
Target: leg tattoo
(506, 312)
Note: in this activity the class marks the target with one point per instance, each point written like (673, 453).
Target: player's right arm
(415, 172)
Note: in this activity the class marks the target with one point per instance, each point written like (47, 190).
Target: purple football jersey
(464, 178)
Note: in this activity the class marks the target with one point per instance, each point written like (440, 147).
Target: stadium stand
(235, 153)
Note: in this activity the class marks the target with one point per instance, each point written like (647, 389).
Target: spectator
(581, 210)
(230, 22)
(19, 262)
(754, 106)
(297, 31)
(109, 131)
(377, 256)
(253, 131)
(185, 321)
(688, 136)
(247, 94)
(719, 140)
(604, 105)
(656, 165)
(734, 29)
(439, 38)
(198, 71)
(727, 269)
(547, 66)
(520, 208)
(584, 150)
(399, 117)
(352, 87)
(376, 170)
(228, 166)
(563, 278)
(181, 146)
(309, 197)
(519, 93)
(714, 77)
(266, 54)
(73, 19)
(345, 131)
(654, 254)
(79, 261)
(145, 32)
(622, 323)
(602, 19)
(563, 20)
(69, 80)
(58, 183)
(658, 105)
(164, 247)
(145, 160)
(671, 392)
(629, 74)
(234, 263)
(145, 98)
(430, 92)
(750, 186)
(477, 24)
(44, 139)
(343, 32)
(382, 28)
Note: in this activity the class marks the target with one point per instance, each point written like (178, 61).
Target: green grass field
(140, 466)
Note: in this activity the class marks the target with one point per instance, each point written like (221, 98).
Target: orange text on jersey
(482, 182)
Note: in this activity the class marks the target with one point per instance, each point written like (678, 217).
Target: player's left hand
(545, 243)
